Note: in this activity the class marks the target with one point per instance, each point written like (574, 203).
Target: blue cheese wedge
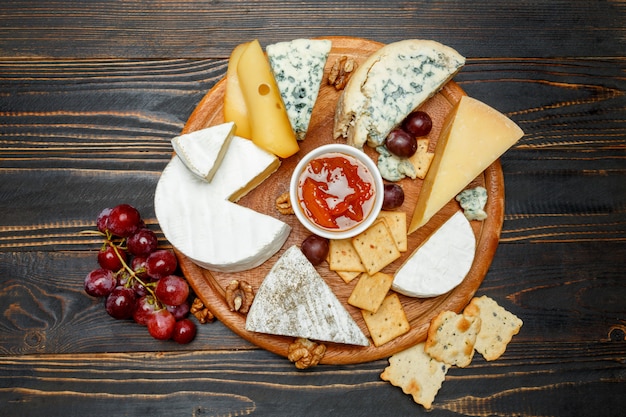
(294, 300)
(440, 263)
(298, 68)
(390, 84)
(201, 219)
(473, 203)
(202, 151)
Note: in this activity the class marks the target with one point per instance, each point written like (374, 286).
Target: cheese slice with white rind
(473, 137)
(202, 151)
(441, 262)
(197, 218)
(294, 300)
(298, 68)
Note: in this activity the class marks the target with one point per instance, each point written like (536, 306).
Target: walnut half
(201, 312)
(305, 353)
(341, 71)
(239, 296)
(283, 204)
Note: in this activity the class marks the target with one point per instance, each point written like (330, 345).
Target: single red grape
(172, 290)
(180, 311)
(123, 220)
(144, 308)
(108, 257)
(102, 219)
(315, 248)
(100, 282)
(418, 123)
(394, 196)
(120, 303)
(161, 324)
(161, 263)
(142, 243)
(184, 331)
(401, 144)
(138, 265)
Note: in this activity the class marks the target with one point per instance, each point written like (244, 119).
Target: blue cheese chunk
(393, 168)
(390, 84)
(473, 203)
(298, 68)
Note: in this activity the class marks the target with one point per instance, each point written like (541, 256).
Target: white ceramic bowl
(379, 193)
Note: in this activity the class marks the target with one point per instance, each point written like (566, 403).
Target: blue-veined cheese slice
(441, 262)
(199, 220)
(298, 68)
(202, 151)
(294, 300)
(390, 84)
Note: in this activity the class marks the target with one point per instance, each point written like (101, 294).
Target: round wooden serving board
(209, 285)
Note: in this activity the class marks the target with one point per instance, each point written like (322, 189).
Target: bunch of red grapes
(137, 279)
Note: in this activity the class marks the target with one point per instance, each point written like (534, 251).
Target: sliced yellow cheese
(473, 137)
(271, 128)
(235, 109)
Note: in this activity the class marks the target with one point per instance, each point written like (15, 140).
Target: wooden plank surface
(92, 92)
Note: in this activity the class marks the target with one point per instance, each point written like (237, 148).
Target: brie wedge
(391, 83)
(294, 300)
(202, 151)
(197, 218)
(441, 262)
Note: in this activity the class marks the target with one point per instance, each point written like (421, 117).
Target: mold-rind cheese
(202, 151)
(390, 84)
(473, 137)
(441, 262)
(198, 219)
(294, 300)
(298, 68)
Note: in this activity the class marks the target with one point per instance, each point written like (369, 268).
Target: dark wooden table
(91, 94)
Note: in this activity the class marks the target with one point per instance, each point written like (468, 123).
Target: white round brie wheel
(440, 263)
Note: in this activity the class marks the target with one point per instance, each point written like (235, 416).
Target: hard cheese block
(440, 263)
(235, 109)
(298, 68)
(473, 137)
(197, 218)
(294, 300)
(202, 151)
(390, 84)
(269, 123)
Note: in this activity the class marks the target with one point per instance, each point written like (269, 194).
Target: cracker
(388, 322)
(370, 291)
(498, 326)
(422, 159)
(451, 338)
(416, 373)
(343, 257)
(376, 247)
(396, 221)
(348, 276)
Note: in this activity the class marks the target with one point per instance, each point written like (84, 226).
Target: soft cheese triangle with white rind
(298, 68)
(294, 300)
(197, 218)
(440, 263)
(202, 151)
(391, 83)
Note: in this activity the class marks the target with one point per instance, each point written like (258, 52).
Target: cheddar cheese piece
(270, 125)
(235, 109)
(473, 137)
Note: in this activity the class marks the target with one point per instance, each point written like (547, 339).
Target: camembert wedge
(294, 300)
(202, 151)
(473, 137)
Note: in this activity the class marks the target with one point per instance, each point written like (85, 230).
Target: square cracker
(388, 322)
(343, 257)
(370, 291)
(396, 221)
(498, 326)
(348, 276)
(376, 247)
(416, 373)
(451, 338)
(422, 159)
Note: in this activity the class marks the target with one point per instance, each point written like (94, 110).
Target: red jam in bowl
(336, 191)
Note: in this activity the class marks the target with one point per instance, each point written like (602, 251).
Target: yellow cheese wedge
(473, 137)
(271, 128)
(235, 109)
